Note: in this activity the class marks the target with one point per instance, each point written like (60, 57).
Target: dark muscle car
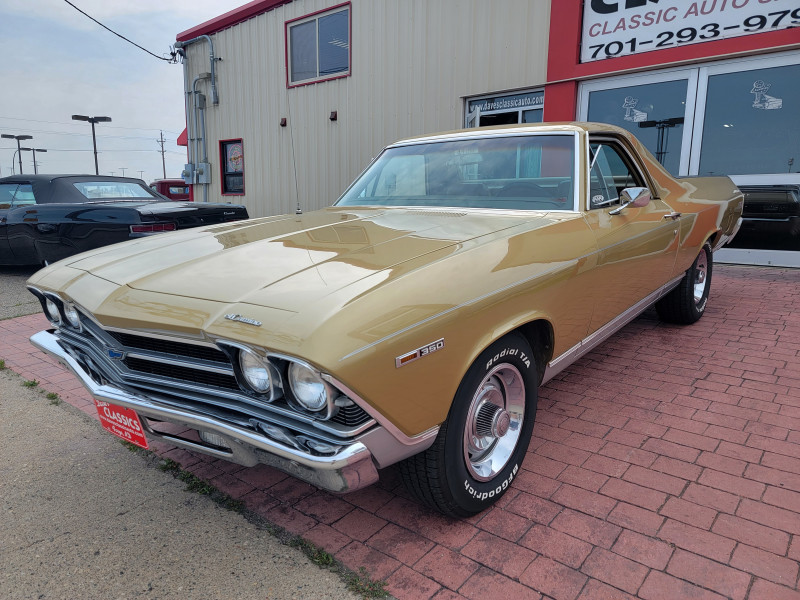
(44, 218)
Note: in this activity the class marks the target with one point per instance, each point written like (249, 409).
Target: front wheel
(687, 302)
(481, 445)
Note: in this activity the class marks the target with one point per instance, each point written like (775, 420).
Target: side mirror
(636, 196)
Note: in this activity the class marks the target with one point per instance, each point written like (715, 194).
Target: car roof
(40, 178)
(494, 131)
(51, 188)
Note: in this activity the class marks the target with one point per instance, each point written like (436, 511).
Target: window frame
(627, 155)
(315, 16)
(223, 160)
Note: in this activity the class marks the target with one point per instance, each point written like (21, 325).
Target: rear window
(98, 190)
(16, 194)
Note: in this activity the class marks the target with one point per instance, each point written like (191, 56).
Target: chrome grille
(183, 373)
(141, 342)
(197, 377)
(351, 416)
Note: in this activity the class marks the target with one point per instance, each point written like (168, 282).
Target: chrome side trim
(555, 366)
(351, 468)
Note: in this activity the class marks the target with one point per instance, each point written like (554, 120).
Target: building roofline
(230, 18)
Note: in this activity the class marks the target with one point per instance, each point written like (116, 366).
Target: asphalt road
(15, 299)
(73, 526)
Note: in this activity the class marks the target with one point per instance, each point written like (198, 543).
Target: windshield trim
(505, 133)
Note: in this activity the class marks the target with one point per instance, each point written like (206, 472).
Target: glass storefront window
(752, 122)
(653, 112)
(743, 120)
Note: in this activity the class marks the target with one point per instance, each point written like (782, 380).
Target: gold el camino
(411, 322)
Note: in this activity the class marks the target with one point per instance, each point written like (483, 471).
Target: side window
(16, 194)
(610, 173)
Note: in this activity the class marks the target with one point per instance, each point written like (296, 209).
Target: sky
(57, 63)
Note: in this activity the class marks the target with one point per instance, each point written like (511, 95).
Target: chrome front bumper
(349, 469)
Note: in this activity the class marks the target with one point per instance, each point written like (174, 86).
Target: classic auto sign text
(618, 28)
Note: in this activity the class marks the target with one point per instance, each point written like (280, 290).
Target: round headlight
(255, 372)
(72, 315)
(52, 311)
(310, 391)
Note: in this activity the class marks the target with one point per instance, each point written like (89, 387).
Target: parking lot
(664, 465)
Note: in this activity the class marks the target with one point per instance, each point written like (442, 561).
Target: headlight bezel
(296, 369)
(52, 310)
(265, 392)
(68, 309)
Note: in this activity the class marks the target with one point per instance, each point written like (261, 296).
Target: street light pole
(8, 136)
(93, 120)
(34, 150)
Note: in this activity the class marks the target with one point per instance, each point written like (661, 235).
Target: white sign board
(620, 27)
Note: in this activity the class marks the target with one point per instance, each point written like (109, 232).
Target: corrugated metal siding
(413, 62)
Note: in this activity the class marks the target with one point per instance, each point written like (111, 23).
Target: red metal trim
(231, 18)
(183, 138)
(222, 169)
(331, 9)
(561, 101)
(563, 58)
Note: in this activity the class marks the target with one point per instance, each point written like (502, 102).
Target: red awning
(183, 139)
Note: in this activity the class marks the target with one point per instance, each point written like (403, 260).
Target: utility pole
(123, 170)
(140, 174)
(8, 136)
(163, 162)
(93, 120)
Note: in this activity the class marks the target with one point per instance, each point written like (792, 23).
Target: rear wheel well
(540, 336)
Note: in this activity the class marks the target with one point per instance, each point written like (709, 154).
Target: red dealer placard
(122, 422)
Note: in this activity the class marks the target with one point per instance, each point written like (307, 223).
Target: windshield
(532, 172)
(97, 190)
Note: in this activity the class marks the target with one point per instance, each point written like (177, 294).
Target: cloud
(61, 63)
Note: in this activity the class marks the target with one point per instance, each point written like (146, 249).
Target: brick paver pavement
(664, 465)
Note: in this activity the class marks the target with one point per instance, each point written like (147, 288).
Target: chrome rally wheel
(482, 443)
(494, 422)
(687, 302)
(701, 278)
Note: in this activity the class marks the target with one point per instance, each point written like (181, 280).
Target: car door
(637, 246)
(5, 206)
(14, 197)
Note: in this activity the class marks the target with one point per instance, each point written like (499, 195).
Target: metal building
(308, 91)
(300, 94)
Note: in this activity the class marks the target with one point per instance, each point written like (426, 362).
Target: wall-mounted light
(283, 121)
(334, 115)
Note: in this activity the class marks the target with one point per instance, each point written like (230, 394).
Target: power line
(170, 60)
(104, 126)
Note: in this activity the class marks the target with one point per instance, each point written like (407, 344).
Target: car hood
(291, 262)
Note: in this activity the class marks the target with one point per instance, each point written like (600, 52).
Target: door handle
(673, 216)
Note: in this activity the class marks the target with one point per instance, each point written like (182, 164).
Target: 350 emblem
(408, 357)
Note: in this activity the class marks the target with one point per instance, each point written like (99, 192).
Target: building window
(232, 165)
(526, 107)
(318, 46)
